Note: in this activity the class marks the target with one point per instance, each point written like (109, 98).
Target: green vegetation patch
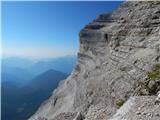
(157, 66)
(152, 85)
(119, 103)
(155, 74)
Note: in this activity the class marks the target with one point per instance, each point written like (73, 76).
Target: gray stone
(124, 52)
(129, 110)
(152, 85)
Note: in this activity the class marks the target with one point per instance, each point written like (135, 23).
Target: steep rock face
(117, 50)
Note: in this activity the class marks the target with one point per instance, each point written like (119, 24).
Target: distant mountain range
(25, 70)
(17, 62)
(47, 80)
(16, 74)
(18, 103)
(24, 88)
(64, 64)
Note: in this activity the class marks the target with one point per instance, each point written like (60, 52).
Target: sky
(47, 29)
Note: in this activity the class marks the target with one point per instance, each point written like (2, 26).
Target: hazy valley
(25, 86)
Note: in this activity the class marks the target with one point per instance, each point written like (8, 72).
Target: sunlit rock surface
(117, 51)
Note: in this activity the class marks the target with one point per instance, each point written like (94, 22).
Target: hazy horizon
(35, 58)
(46, 29)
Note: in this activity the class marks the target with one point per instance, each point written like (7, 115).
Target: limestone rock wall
(117, 50)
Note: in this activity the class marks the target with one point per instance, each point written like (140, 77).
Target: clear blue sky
(47, 29)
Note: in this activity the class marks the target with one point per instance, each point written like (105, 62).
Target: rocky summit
(117, 75)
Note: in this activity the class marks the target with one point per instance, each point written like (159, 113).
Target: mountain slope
(47, 80)
(116, 59)
(19, 75)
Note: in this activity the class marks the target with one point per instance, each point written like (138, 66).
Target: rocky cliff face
(119, 57)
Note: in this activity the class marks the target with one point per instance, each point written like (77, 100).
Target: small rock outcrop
(116, 60)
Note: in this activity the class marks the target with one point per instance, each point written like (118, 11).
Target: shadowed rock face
(117, 51)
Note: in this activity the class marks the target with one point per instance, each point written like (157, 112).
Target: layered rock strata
(117, 51)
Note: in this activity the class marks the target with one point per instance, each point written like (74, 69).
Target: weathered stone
(129, 110)
(152, 85)
(114, 56)
(144, 91)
